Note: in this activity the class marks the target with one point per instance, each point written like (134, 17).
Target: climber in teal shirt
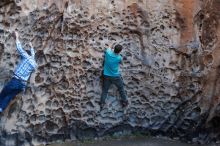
(112, 75)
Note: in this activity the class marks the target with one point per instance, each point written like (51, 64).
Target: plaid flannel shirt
(27, 64)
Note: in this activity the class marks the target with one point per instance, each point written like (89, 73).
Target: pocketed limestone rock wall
(170, 69)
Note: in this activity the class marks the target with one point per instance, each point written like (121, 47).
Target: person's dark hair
(118, 49)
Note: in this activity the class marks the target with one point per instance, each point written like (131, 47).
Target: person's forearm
(17, 38)
(20, 50)
(32, 51)
(17, 42)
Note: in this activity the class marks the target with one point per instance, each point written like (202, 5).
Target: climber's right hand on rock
(30, 44)
(16, 34)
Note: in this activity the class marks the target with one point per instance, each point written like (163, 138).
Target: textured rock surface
(170, 69)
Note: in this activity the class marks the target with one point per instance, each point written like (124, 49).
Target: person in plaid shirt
(21, 75)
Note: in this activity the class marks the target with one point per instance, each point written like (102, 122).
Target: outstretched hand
(15, 34)
(31, 45)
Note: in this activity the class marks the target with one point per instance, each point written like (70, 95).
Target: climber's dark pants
(11, 89)
(107, 81)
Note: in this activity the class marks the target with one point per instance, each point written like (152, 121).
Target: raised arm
(107, 49)
(32, 50)
(20, 50)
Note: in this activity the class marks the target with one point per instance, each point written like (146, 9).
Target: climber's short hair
(117, 48)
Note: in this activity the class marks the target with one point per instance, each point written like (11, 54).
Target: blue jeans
(108, 80)
(11, 89)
